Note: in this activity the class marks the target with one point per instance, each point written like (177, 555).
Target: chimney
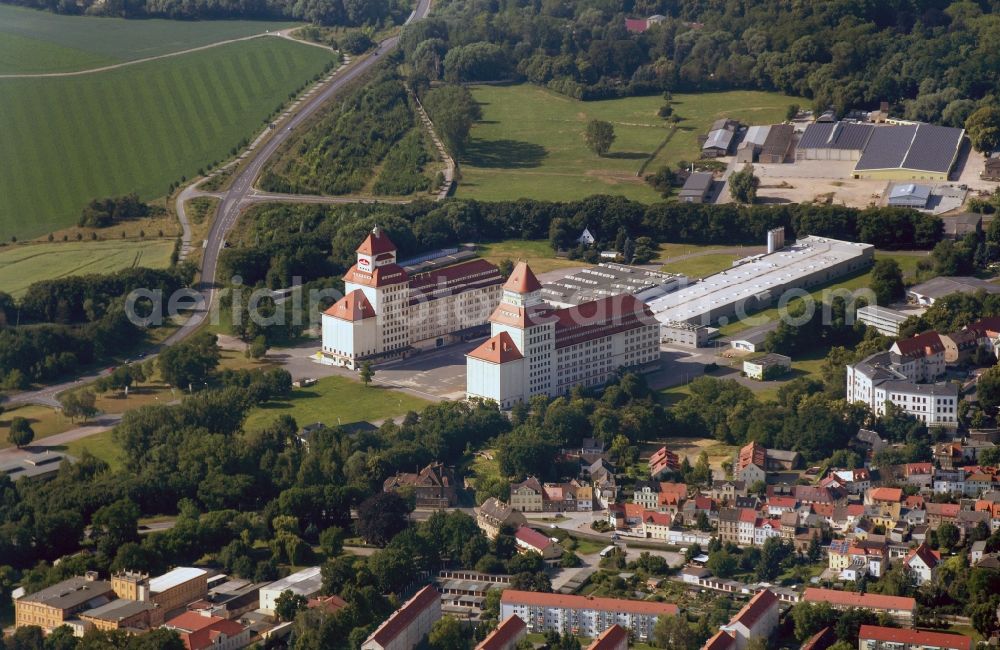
(90, 576)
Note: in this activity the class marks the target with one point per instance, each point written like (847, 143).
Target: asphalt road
(240, 194)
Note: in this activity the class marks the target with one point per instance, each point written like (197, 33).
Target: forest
(933, 60)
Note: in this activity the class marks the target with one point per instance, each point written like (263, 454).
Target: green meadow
(34, 41)
(530, 143)
(68, 140)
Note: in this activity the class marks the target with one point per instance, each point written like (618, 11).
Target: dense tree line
(323, 12)
(932, 61)
(314, 242)
(61, 324)
(101, 213)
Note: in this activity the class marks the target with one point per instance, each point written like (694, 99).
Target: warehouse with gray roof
(833, 141)
(910, 152)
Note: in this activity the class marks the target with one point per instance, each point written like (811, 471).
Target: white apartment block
(384, 310)
(887, 377)
(535, 349)
(582, 615)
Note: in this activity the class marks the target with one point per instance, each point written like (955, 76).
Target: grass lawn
(101, 445)
(530, 141)
(33, 41)
(69, 140)
(538, 254)
(907, 263)
(44, 421)
(337, 400)
(22, 265)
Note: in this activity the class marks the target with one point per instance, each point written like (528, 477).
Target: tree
(114, 525)
(20, 434)
(189, 364)
(948, 535)
(722, 564)
(988, 390)
(381, 517)
(887, 281)
(367, 373)
(79, 404)
(743, 185)
(331, 541)
(793, 110)
(983, 127)
(447, 634)
(673, 632)
(258, 348)
(288, 604)
(599, 136)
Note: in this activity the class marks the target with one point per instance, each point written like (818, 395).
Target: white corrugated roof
(178, 576)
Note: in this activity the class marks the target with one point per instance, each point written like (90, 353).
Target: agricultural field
(135, 129)
(21, 265)
(530, 142)
(34, 41)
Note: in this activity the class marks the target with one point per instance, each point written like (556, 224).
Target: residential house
(663, 461)
(613, 638)
(209, 632)
(409, 624)
(646, 494)
(757, 620)
(959, 346)
(924, 353)
(494, 515)
(727, 491)
(530, 540)
(751, 463)
(938, 513)
(433, 486)
(527, 496)
(898, 607)
(506, 635)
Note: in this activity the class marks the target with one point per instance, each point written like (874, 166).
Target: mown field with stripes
(68, 140)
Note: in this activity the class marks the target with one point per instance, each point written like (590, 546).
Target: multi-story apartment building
(889, 377)
(505, 636)
(582, 615)
(876, 637)
(527, 496)
(385, 311)
(409, 624)
(535, 349)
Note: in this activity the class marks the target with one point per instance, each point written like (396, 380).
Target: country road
(240, 195)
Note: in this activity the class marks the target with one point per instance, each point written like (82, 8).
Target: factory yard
(822, 181)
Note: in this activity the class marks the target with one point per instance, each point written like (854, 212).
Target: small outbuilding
(909, 195)
(696, 188)
(767, 366)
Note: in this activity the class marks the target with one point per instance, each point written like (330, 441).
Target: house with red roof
(536, 349)
(530, 540)
(921, 357)
(923, 563)
(613, 638)
(663, 461)
(883, 495)
(505, 636)
(200, 632)
(876, 637)
(409, 624)
(757, 620)
(636, 25)
(385, 312)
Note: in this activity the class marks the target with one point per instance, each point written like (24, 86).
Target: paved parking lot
(436, 374)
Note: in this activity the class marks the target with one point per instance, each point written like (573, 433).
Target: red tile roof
(376, 242)
(498, 349)
(947, 510)
(329, 604)
(758, 606)
(538, 599)
(381, 276)
(721, 641)
(752, 453)
(600, 318)
(611, 638)
(505, 634)
(636, 25)
(522, 280)
(352, 307)
(921, 345)
(854, 599)
(533, 538)
(920, 638)
(918, 468)
(748, 515)
(894, 495)
(451, 280)
(198, 632)
(403, 617)
(930, 558)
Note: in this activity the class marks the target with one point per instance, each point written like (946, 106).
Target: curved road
(241, 193)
